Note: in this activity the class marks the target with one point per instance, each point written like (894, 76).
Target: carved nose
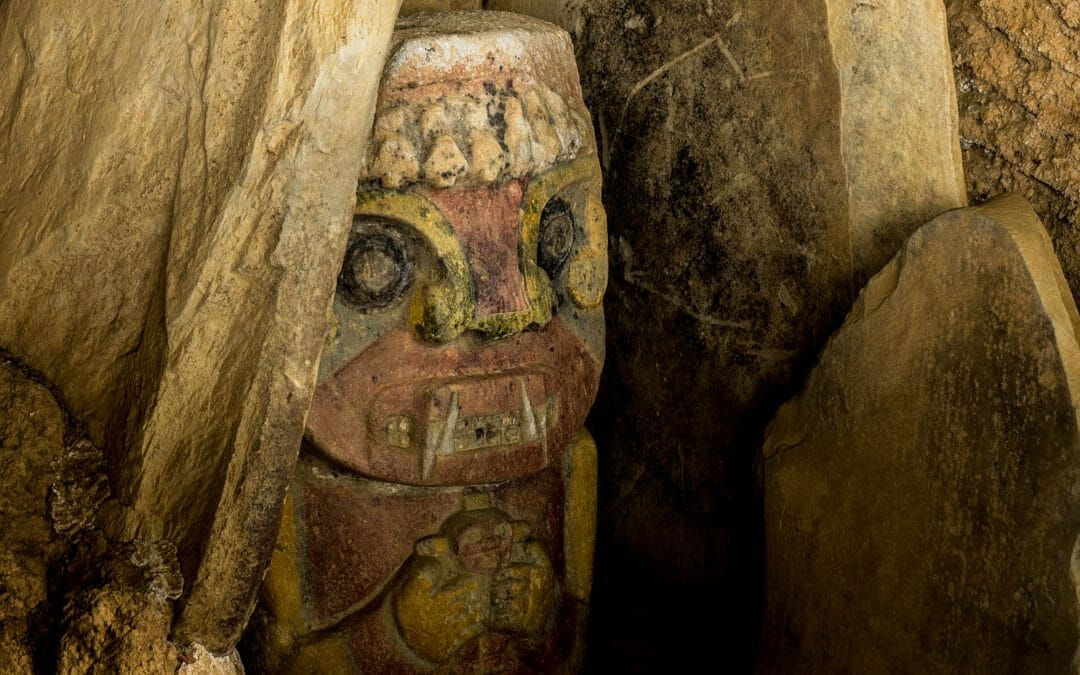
(444, 310)
(508, 293)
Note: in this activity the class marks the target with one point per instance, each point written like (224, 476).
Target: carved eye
(378, 267)
(556, 236)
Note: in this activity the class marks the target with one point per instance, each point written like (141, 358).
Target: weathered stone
(118, 611)
(116, 599)
(414, 6)
(32, 431)
(566, 13)
(80, 488)
(763, 159)
(442, 515)
(920, 493)
(174, 204)
(1018, 81)
(117, 630)
(198, 661)
(898, 122)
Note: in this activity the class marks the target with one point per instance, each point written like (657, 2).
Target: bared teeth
(527, 413)
(399, 431)
(446, 442)
(463, 433)
(482, 431)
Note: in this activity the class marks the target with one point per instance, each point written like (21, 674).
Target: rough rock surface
(199, 661)
(118, 612)
(174, 208)
(570, 14)
(116, 600)
(762, 159)
(413, 6)
(32, 436)
(119, 627)
(898, 122)
(920, 493)
(1018, 78)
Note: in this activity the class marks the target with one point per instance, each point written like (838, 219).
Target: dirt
(1018, 81)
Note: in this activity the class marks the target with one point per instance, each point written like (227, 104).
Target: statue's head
(467, 331)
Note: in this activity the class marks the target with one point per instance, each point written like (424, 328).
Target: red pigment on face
(486, 221)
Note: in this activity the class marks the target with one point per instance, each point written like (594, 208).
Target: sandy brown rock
(32, 430)
(570, 14)
(920, 492)
(118, 609)
(199, 661)
(174, 207)
(117, 630)
(1018, 78)
(898, 122)
(414, 6)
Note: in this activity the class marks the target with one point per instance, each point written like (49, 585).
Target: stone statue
(442, 512)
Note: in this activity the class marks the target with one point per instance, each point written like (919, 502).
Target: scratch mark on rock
(682, 306)
(784, 71)
(671, 63)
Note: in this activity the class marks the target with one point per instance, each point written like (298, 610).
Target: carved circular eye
(556, 236)
(378, 268)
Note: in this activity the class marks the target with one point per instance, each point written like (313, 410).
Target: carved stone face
(467, 332)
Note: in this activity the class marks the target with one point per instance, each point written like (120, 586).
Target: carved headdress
(480, 103)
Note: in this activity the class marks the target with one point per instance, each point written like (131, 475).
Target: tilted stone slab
(920, 493)
(175, 200)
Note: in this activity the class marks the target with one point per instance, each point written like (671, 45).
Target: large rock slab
(175, 200)
(898, 122)
(920, 493)
(762, 160)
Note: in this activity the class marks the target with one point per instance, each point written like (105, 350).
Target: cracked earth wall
(1018, 80)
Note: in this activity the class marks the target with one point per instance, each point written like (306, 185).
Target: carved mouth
(410, 413)
(464, 433)
(454, 426)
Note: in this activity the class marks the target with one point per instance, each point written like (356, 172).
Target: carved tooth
(444, 163)
(474, 114)
(518, 137)
(527, 413)
(545, 143)
(391, 122)
(487, 160)
(532, 105)
(431, 447)
(434, 122)
(396, 162)
(447, 445)
(440, 437)
(541, 416)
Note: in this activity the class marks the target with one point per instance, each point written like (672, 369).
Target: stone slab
(920, 493)
(174, 206)
(898, 122)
